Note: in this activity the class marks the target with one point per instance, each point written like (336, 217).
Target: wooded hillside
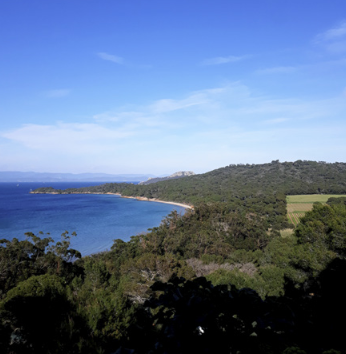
(261, 189)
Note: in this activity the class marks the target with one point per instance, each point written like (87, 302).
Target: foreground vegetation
(219, 278)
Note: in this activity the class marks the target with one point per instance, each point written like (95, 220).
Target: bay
(97, 219)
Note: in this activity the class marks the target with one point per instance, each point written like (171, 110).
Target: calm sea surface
(97, 219)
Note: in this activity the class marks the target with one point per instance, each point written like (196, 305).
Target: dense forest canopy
(235, 181)
(220, 278)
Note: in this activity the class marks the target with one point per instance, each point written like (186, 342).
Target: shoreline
(186, 206)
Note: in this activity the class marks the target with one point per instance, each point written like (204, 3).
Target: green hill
(260, 189)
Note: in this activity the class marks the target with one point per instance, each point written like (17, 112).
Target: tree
(325, 226)
(38, 318)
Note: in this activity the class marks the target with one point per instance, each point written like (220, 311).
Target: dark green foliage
(35, 256)
(332, 201)
(195, 316)
(39, 318)
(324, 226)
(328, 305)
(100, 302)
(71, 307)
(209, 229)
(320, 237)
(234, 277)
(122, 251)
(267, 281)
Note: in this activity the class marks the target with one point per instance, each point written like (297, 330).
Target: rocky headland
(175, 175)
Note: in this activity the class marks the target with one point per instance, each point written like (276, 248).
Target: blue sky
(119, 86)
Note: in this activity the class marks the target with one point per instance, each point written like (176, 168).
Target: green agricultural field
(298, 205)
(311, 198)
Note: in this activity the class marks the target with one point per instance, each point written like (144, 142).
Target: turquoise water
(97, 219)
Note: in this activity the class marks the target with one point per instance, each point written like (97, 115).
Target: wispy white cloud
(209, 128)
(169, 105)
(160, 112)
(277, 70)
(334, 39)
(222, 60)
(229, 105)
(110, 57)
(57, 93)
(72, 138)
(333, 33)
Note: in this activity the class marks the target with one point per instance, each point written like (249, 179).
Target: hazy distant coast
(17, 176)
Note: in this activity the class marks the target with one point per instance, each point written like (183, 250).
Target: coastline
(186, 206)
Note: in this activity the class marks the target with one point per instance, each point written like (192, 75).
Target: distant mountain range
(15, 176)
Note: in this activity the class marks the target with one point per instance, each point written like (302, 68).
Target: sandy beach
(156, 200)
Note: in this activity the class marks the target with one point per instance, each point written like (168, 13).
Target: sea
(98, 219)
